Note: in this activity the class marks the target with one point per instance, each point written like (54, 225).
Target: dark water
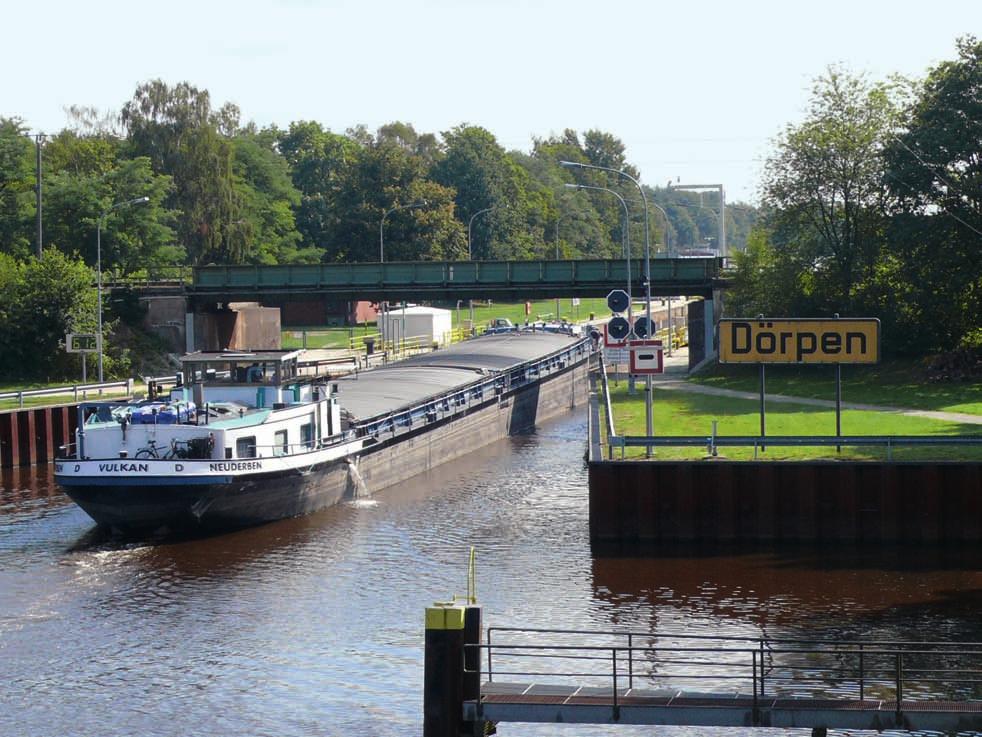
(314, 626)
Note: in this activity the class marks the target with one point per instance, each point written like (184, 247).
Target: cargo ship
(246, 438)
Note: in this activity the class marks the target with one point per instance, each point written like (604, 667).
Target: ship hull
(215, 503)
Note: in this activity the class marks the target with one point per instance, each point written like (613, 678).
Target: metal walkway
(452, 280)
(589, 677)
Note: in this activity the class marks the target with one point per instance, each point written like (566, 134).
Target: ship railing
(66, 451)
(463, 397)
(282, 450)
(278, 450)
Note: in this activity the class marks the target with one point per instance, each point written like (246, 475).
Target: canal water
(314, 626)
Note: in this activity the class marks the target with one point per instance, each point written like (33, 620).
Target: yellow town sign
(802, 340)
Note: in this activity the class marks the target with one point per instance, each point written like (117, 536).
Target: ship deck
(388, 388)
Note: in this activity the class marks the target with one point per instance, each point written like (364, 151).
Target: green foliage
(45, 299)
(934, 173)
(17, 198)
(824, 186)
(875, 207)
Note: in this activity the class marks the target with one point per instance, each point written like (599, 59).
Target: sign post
(800, 341)
(83, 343)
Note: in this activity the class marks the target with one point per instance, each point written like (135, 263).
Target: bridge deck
(448, 280)
(534, 702)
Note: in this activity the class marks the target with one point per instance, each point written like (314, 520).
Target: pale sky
(696, 90)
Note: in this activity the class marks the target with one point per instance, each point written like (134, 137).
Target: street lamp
(470, 225)
(470, 255)
(381, 225)
(381, 258)
(98, 266)
(668, 250)
(626, 239)
(649, 427)
(38, 140)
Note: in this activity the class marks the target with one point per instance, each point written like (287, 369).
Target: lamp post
(98, 267)
(626, 239)
(381, 225)
(647, 279)
(381, 258)
(709, 319)
(668, 250)
(558, 218)
(470, 255)
(38, 140)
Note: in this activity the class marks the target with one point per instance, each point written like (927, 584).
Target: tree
(265, 230)
(387, 174)
(824, 186)
(592, 209)
(320, 166)
(934, 172)
(49, 297)
(17, 203)
(177, 129)
(484, 176)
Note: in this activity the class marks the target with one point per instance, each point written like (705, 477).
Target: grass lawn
(324, 337)
(683, 413)
(543, 309)
(893, 383)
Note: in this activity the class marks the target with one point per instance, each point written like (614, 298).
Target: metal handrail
(72, 389)
(893, 673)
(607, 406)
(736, 638)
(897, 666)
(887, 441)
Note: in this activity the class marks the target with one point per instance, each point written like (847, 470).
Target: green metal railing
(588, 273)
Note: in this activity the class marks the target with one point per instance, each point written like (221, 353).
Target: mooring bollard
(446, 685)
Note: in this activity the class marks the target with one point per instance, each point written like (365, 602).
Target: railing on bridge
(594, 275)
(619, 668)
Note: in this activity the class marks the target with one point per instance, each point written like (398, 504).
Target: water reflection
(849, 592)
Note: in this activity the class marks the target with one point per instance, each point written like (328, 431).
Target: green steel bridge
(452, 280)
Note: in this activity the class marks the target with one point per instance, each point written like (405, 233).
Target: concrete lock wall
(642, 503)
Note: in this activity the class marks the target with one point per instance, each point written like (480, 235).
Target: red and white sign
(646, 357)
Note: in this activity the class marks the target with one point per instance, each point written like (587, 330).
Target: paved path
(674, 380)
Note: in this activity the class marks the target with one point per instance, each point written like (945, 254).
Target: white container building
(425, 325)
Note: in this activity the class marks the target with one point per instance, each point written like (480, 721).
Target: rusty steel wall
(642, 503)
(30, 436)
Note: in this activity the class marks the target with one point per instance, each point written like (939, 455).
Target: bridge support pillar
(451, 671)
(189, 332)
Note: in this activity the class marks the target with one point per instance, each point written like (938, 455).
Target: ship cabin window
(307, 435)
(281, 445)
(228, 452)
(245, 447)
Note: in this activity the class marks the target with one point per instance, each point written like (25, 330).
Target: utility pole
(38, 140)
